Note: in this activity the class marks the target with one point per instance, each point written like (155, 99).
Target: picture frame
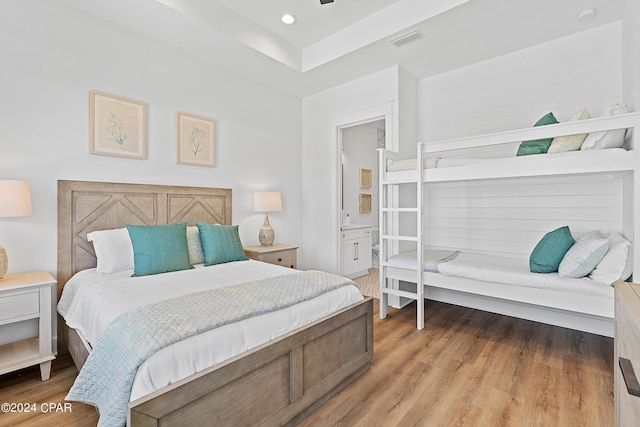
(365, 203)
(117, 126)
(366, 179)
(196, 140)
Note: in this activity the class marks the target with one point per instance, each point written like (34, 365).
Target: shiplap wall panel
(508, 217)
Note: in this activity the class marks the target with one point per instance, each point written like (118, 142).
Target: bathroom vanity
(355, 253)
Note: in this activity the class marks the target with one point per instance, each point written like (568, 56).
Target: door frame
(356, 118)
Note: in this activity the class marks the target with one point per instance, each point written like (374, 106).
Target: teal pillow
(538, 146)
(220, 243)
(550, 250)
(159, 248)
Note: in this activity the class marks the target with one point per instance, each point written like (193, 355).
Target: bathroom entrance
(359, 201)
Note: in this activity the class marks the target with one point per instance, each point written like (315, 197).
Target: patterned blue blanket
(107, 376)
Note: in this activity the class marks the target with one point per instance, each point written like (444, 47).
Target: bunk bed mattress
(446, 162)
(489, 268)
(91, 300)
(511, 271)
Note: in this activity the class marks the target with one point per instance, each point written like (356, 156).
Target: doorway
(358, 135)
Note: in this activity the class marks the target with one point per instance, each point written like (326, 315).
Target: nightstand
(279, 254)
(24, 297)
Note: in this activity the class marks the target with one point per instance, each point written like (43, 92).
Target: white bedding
(512, 271)
(437, 162)
(90, 301)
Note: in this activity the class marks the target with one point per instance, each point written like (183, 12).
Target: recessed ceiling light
(586, 15)
(288, 19)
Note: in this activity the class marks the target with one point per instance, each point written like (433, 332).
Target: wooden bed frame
(278, 383)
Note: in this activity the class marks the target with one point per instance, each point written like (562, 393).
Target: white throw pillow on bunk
(617, 264)
(580, 260)
(605, 139)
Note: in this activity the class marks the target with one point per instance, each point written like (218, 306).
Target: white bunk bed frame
(581, 312)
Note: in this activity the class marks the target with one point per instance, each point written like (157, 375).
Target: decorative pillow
(159, 248)
(538, 146)
(565, 143)
(196, 256)
(584, 255)
(617, 264)
(605, 139)
(220, 243)
(113, 250)
(550, 250)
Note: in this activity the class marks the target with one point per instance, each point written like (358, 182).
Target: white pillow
(584, 255)
(617, 264)
(196, 256)
(561, 144)
(604, 139)
(114, 251)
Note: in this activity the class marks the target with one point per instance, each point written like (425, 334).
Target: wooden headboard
(85, 206)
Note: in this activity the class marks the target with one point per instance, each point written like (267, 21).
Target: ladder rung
(399, 209)
(398, 292)
(406, 238)
(398, 265)
(400, 181)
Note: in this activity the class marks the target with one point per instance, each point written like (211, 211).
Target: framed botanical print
(196, 140)
(117, 126)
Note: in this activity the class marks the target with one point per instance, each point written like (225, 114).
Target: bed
(272, 379)
(494, 189)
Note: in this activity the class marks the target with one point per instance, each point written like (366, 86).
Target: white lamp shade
(267, 201)
(15, 199)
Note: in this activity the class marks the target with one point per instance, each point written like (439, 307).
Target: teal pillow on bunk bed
(550, 250)
(538, 146)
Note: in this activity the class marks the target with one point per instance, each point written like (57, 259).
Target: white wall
(52, 56)
(508, 217)
(630, 55)
(320, 161)
(513, 91)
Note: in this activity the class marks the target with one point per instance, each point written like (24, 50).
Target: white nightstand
(24, 297)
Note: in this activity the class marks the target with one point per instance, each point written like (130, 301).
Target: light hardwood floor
(466, 368)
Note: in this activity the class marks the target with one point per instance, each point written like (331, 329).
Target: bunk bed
(449, 162)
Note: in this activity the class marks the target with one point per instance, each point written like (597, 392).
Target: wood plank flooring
(466, 368)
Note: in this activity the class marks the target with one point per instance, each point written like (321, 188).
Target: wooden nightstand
(24, 297)
(279, 254)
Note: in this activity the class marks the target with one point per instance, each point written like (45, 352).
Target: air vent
(406, 38)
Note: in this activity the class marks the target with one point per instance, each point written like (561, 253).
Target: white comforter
(90, 301)
(512, 271)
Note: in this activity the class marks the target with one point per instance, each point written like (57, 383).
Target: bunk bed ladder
(390, 210)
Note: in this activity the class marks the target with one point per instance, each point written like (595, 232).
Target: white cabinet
(24, 297)
(355, 252)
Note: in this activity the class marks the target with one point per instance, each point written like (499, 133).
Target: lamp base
(4, 262)
(267, 234)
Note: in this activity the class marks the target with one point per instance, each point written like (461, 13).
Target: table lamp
(14, 201)
(266, 201)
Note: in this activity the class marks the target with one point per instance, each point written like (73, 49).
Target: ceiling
(333, 43)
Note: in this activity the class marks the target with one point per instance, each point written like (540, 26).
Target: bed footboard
(277, 383)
